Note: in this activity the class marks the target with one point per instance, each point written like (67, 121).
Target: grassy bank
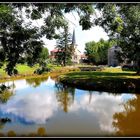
(25, 72)
(110, 80)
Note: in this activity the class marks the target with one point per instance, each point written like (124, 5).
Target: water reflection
(65, 96)
(127, 121)
(34, 108)
(64, 111)
(41, 132)
(35, 82)
(5, 96)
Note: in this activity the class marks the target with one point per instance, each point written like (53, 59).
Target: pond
(43, 107)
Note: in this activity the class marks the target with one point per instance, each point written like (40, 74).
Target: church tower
(73, 38)
(77, 54)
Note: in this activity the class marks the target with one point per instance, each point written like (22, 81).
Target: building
(53, 53)
(76, 57)
(112, 58)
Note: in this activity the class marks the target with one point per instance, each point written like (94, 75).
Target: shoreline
(53, 74)
(101, 83)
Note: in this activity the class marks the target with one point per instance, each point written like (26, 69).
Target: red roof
(83, 56)
(55, 50)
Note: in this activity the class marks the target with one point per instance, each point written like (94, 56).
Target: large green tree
(65, 48)
(97, 52)
(19, 39)
(89, 51)
(122, 22)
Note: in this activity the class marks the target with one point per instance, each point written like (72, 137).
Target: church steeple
(73, 38)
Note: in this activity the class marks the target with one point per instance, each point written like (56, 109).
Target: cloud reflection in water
(40, 104)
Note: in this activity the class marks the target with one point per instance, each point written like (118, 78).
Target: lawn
(22, 69)
(109, 79)
(25, 71)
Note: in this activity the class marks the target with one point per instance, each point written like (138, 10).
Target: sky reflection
(92, 110)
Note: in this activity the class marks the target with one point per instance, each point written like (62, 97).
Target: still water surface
(42, 107)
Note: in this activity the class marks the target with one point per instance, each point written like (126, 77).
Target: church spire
(73, 38)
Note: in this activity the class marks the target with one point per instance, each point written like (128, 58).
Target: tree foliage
(65, 48)
(97, 52)
(122, 22)
(19, 38)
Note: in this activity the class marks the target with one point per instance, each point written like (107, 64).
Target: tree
(65, 49)
(89, 52)
(122, 22)
(19, 39)
(42, 60)
(97, 52)
(44, 54)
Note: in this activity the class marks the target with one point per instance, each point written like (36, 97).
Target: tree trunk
(138, 67)
(65, 57)
(66, 42)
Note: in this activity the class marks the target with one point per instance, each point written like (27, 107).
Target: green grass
(108, 73)
(2, 72)
(53, 67)
(109, 79)
(24, 69)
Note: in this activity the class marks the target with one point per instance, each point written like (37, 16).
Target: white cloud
(39, 106)
(35, 107)
(102, 106)
(19, 84)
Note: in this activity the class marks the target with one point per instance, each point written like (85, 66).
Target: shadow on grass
(102, 74)
(103, 81)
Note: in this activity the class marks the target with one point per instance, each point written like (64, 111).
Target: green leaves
(85, 22)
(35, 14)
(21, 41)
(122, 21)
(64, 55)
(97, 52)
(5, 9)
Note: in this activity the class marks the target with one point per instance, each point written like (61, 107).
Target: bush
(42, 70)
(128, 67)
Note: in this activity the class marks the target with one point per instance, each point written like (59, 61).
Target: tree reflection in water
(65, 95)
(35, 82)
(5, 93)
(5, 96)
(41, 132)
(127, 122)
(11, 133)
